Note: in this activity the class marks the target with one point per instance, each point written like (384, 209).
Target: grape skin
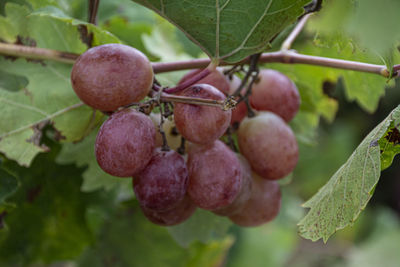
(163, 183)
(125, 143)
(245, 191)
(216, 78)
(109, 76)
(215, 176)
(275, 92)
(201, 124)
(263, 205)
(177, 215)
(269, 145)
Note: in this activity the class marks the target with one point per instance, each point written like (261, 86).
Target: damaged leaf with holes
(390, 145)
(340, 201)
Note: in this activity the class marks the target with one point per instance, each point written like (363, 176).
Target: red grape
(177, 215)
(163, 183)
(125, 143)
(109, 76)
(215, 176)
(244, 193)
(263, 205)
(201, 124)
(275, 92)
(269, 145)
(216, 78)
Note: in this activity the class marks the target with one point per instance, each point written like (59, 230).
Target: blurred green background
(49, 221)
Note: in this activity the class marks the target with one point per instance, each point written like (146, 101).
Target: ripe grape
(269, 145)
(125, 143)
(263, 205)
(109, 76)
(201, 124)
(177, 215)
(216, 78)
(240, 111)
(244, 193)
(275, 92)
(215, 176)
(163, 183)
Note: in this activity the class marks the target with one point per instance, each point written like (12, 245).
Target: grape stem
(159, 97)
(193, 100)
(287, 44)
(93, 8)
(285, 57)
(189, 82)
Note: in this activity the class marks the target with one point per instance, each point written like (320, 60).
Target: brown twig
(286, 57)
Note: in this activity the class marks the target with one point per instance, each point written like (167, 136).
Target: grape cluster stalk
(176, 157)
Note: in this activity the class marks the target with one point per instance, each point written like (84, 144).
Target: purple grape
(125, 143)
(263, 205)
(163, 183)
(109, 76)
(177, 215)
(215, 176)
(269, 145)
(201, 124)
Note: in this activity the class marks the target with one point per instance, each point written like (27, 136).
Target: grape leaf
(48, 96)
(372, 23)
(340, 201)
(202, 226)
(128, 239)
(338, 42)
(390, 145)
(229, 30)
(82, 154)
(8, 185)
(49, 221)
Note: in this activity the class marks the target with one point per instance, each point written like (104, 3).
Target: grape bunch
(206, 173)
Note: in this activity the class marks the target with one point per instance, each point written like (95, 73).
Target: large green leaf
(229, 30)
(46, 96)
(340, 201)
(8, 186)
(372, 23)
(48, 223)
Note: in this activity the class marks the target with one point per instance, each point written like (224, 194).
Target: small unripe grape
(125, 143)
(109, 76)
(216, 78)
(263, 205)
(174, 139)
(245, 191)
(201, 124)
(177, 215)
(269, 145)
(163, 183)
(215, 177)
(275, 92)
